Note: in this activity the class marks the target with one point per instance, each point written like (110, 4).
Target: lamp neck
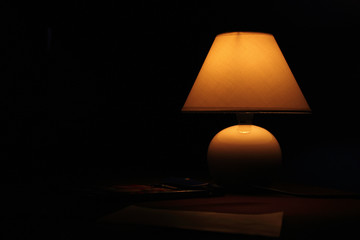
(244, 118)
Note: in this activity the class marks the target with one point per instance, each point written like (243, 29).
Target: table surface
(304, 218)
(73, 216)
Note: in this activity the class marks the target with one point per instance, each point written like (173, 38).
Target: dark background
(92, 89)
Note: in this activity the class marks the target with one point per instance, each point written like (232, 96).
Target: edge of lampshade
(247, 111)
(243, 32)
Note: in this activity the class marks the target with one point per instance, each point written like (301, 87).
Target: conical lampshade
(245, 72)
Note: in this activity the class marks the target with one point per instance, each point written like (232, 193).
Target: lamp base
(244, 154)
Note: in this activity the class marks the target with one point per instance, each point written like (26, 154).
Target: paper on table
(252, 224)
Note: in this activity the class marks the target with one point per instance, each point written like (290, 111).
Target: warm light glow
(244, 151)
(245, 71)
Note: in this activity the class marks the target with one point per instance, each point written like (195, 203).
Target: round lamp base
(244, 154)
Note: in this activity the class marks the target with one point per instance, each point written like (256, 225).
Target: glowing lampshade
(245, 72)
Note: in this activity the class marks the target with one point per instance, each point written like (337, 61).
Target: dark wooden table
(62, 214)
(304, 218)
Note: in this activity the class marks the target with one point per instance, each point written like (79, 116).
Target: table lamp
(245, 73)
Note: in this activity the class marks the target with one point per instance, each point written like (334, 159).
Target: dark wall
(98, 86)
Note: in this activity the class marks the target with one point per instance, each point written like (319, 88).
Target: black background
(96, 88)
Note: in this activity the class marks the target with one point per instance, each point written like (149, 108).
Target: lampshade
(245, 72)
